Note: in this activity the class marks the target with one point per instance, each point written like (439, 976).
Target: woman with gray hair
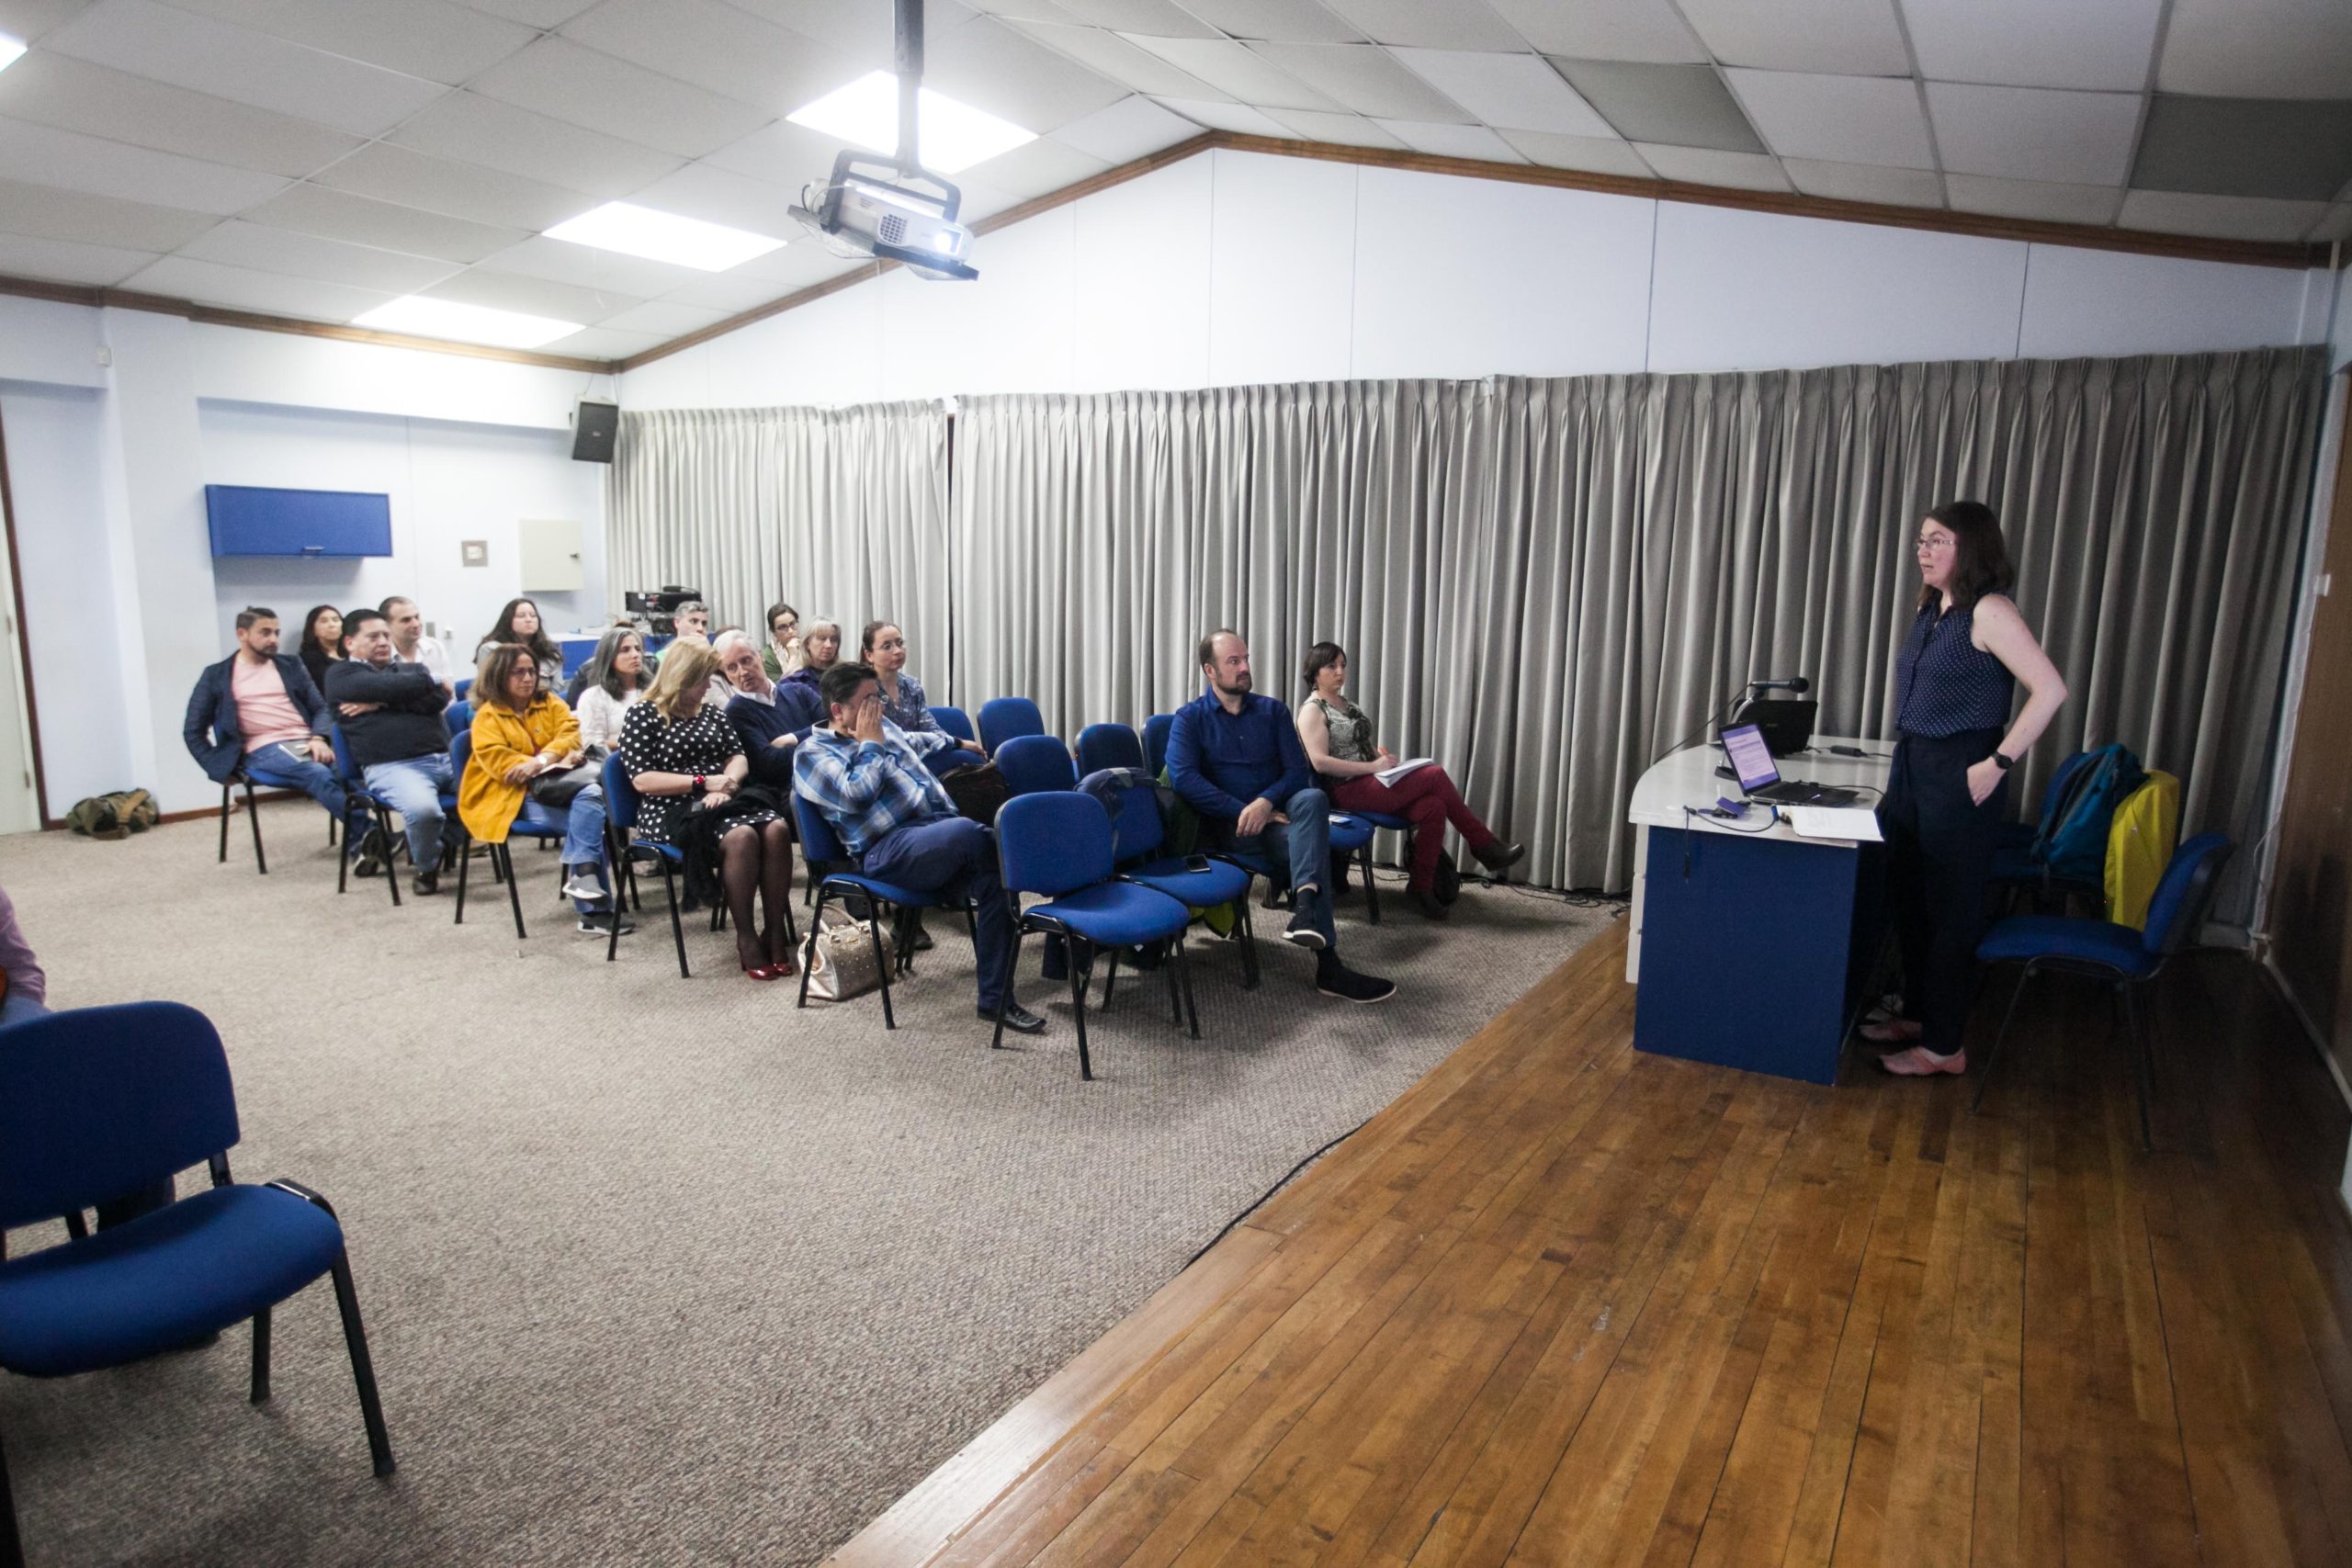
(820, 649)
(614, 677)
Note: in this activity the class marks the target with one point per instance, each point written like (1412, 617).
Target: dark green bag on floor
(115, 816)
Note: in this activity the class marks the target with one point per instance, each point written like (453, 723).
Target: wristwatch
(701, 784)
(2004, 762)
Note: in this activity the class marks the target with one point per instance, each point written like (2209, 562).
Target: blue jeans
(1304, 842)
(584, 836)
(414, 786)
(274, 768)
(16, 1007)
(956, 857)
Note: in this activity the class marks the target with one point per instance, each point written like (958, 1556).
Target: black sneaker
(426, 884)
(1018, 1019)
(599, 922)
(1334, 978)
(369, 860)
(1302, 931)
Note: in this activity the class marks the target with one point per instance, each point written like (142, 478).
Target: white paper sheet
(1390, 776)
(1858, 823)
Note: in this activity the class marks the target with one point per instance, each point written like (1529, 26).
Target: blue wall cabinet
(250, 520)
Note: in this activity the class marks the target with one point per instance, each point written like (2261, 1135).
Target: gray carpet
(661, 1271)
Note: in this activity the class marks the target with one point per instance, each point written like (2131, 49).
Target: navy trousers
(1940, 865)
(956, 857)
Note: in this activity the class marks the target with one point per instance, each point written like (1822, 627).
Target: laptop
(1751, 764)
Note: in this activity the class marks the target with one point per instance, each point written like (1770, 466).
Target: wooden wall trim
(24, 636)
(255, 321)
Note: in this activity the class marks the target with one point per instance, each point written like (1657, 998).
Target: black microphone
(1796, 684)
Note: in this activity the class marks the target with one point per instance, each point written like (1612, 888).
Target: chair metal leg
(75, 1228)
(392, 876)
(12, 1546)
(881, 959)
(1183, 963)
(464, 861)
(1250, 975)
(505, 853)
(809, 947)
(1993, 1055)
(1004, 992)
(1110, 974)
(330, 831)
(363, 1371)
(1175, 1002)
(1078, 978)
(260, 1395)
(252, 820)
(677, 925)
(2136, 1013)
(1371, 884)
(226, 785)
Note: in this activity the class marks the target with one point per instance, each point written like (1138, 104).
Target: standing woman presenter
(1954, 680)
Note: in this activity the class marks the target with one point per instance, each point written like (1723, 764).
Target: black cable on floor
(1288, 1178)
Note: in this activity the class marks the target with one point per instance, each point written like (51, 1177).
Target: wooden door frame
(24, 639)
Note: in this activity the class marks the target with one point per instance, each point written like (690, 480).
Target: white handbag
(841, 958)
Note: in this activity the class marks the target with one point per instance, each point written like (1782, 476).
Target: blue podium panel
(1748, 961)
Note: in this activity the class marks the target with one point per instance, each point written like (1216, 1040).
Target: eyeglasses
(1934, 542)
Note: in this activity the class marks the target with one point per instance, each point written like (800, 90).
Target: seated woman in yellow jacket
(521, 732)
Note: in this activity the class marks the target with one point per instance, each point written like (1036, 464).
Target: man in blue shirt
(890, 811)
(1237, 758)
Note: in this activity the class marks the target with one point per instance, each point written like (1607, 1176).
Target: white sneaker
(585, 888)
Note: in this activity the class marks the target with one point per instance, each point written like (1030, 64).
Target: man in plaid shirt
(889, 810)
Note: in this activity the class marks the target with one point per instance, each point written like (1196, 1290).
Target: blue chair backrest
(462, 687)
(620, 794)
(95, 1102)
(2183, 894)
(1136, 830)
(1054, 843)
(1102, 746)
(1033, 762)
(956, 721)
(346, 770)
(820, 844)
(1008, 718)
(1156, 731)
(458, 716)
(461, 751)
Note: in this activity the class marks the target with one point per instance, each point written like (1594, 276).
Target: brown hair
(873, 630)
(686, 666)
(1319, 658)
(1980, 559)
(497, 667)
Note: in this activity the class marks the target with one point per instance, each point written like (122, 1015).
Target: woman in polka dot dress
(1945, 798)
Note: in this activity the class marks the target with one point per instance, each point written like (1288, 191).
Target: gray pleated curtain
(1544, 583)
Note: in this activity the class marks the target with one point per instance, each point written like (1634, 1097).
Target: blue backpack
(2072, 843)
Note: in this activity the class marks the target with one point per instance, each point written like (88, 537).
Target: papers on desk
(1855, 823)
(1388, 776)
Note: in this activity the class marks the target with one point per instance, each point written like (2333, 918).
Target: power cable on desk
(1690, 815)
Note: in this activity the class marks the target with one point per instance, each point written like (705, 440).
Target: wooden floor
(1565, 1303)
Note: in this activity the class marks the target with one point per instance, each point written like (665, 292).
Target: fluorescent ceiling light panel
(11, 49)
(465, 323)
(954, 136)
(664, 236)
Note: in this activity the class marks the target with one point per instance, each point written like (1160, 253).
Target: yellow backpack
(2139, 846)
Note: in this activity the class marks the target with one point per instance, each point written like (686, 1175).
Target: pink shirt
(266, 715)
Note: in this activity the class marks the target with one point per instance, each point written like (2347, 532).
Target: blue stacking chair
(1102, 746)
(823, 849)
(1197, 882)
(1156, 731)
(461, 687)
(1032, 764)
(502, 856)
(364, 802)
(100, 1101)
(623, 849)
(2015, 870)
(237, 777)
(956, 721)
(1352, 839)
(459, 716)
(2124, 958)
(1060, 844)
(1008, 718)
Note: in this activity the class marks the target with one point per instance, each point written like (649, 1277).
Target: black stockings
(758, 861)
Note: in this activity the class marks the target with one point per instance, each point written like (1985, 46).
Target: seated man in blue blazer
(258, 711)
(1237, 758)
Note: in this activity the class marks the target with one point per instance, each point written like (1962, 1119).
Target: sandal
(1919, 1062)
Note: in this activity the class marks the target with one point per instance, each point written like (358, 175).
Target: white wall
(1235, 267)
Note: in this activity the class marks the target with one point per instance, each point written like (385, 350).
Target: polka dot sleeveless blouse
(1943, 683)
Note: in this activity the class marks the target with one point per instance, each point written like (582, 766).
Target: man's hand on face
(869, 718)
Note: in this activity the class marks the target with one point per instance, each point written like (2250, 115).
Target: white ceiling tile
(583, 266)
(42, 155)
(62, 261)
(785, 156)
(1841, 38)
(665, 319)
(46, 213)
(991, 66)
(1286, 21)
(73, 95)
(436, 40)
(602, 342)
(470, 129)
(239, 243)
(1130, 129)
(1457, 24)
(715, 194)
(1159, 19)
(2035, 43)
(242, 289)
(237, 63)
(1589, 154)
(1651, 31)
(2051, 202)
(560, 78)
(532, 295)
(2218, 216)
(1342, 129)
(2258, 48)
(728, 294)
(416, 179)
(794, 267)
(1366, 79)
(338, 215)
(981, 202)
(541, 14)
(1036, 168)
(1849, 119)
(1705, 166)
(856, 31)
(718, 47)
(1510, 91)
(1109, 55)
(1865, 182)
(1454, 140)
(2034, 133)
(2337, 225)
(1232, 68)
(27, 20)
(1218, 115)
(1027, 10)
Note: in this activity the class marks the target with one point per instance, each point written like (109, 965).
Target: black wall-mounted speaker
(593, 426)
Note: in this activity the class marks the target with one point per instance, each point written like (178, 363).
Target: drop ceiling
(318, 158)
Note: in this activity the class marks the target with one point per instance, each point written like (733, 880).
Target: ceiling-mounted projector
(893, 208)
(880, 207)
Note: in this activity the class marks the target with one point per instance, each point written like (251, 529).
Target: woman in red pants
(1338, 736)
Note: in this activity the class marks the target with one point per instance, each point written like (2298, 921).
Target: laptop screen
(1750, 757)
